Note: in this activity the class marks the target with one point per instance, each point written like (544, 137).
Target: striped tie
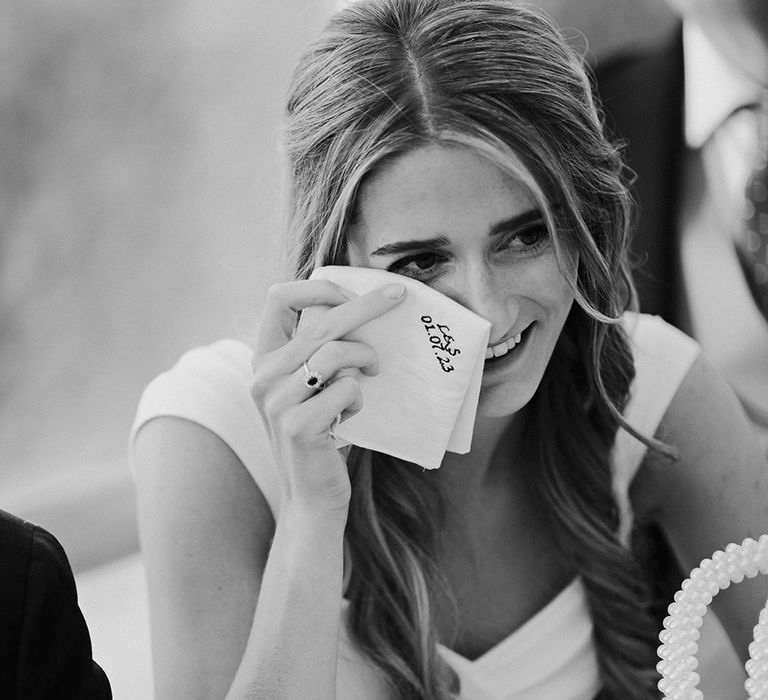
(754, 250)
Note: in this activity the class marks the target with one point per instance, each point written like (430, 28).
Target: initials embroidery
(441, 341)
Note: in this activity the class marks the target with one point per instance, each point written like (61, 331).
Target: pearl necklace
(679, 637)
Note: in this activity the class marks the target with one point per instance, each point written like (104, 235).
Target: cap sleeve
(663, 355)
(210, 386)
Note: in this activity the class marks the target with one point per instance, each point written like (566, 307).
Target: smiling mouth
(494, 352)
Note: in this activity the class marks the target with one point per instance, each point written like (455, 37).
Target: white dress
(551, 656)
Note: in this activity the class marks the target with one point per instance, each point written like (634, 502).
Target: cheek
(546, 283)
(552, 294)
(560, 297)
(569, 260)
(564, 278)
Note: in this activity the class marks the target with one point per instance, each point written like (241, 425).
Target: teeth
(502, 348)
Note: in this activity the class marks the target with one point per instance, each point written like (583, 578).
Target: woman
(455, 142)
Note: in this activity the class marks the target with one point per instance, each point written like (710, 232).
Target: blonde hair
(390, 76)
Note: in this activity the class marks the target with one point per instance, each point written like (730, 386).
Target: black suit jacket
(45, 648)
(642, 96)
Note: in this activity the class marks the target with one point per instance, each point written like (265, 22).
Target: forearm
(292, 648)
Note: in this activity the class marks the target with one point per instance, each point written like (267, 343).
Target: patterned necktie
(754, 251)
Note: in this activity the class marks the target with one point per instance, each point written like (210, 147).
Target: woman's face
(448, 218)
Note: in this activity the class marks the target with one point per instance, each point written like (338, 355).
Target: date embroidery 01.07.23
(441, 341)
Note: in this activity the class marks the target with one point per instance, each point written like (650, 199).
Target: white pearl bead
(679, 637)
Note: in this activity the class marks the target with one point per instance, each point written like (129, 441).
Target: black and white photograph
(384, 350)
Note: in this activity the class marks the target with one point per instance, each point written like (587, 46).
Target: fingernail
(394, 291)
(348, 293)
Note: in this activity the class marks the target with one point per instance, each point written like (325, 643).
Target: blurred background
(139, 216)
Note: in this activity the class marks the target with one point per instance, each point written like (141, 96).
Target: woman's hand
(298, 418)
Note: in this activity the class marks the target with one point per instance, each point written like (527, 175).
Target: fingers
(317, 329)
(329, 314)
(334, 357)
(311, 420)
(284, 301)
(343, 354)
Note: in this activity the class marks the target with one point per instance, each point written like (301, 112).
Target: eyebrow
(399, 247)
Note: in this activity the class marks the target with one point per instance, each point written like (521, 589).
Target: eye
(420, 266)
(532, 236)
(529, 241)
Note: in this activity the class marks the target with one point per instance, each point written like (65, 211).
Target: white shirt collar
(714, 89)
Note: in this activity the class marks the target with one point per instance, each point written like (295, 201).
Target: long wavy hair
(390, 76)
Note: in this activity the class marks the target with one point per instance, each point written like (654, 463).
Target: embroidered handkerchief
(431, 351)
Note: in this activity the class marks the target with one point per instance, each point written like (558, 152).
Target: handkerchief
(431, 351)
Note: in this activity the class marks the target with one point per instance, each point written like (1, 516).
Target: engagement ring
(312, 380)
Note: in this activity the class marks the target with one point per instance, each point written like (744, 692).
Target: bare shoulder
(721, 474)
(205, 530)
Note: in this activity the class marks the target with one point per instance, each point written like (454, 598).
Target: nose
(486, 294)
